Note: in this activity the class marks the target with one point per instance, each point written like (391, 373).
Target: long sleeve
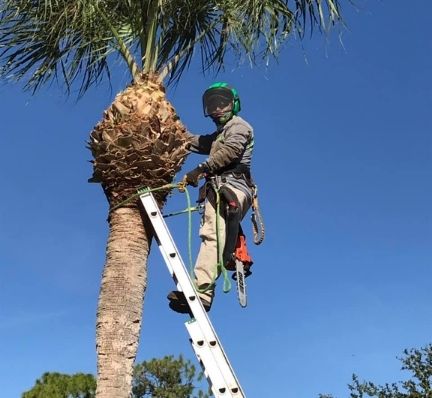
(201, 143)
(231, 147)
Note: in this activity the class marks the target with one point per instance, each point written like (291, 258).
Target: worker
(227, 170)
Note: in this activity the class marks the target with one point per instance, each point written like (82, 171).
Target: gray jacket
(228, 148)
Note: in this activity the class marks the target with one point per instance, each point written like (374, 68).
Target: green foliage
(42, 40)
(418, 362)
(57, 385)
(158, 378)
(166, 378)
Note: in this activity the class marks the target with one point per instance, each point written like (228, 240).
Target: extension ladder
(203, 338)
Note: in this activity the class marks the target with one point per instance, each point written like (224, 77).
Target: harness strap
(257, 220)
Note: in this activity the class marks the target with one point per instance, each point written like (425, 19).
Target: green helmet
(217, 97)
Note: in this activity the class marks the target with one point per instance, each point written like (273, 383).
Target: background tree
(140, 140)
(58, 385)
(166, 378)
(416, 361)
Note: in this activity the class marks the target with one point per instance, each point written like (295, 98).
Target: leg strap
(232, 221)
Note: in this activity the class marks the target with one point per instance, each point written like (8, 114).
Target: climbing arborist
(227, 176)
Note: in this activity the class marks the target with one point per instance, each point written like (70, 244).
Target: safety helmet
(218, 96)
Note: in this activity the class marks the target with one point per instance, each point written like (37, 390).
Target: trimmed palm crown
(140, 141)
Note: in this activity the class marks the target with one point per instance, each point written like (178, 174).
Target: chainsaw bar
(241, 283)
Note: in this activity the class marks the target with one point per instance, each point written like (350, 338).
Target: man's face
(221, 110)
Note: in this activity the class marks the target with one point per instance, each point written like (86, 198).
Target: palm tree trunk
(140, 142)
(119, 313)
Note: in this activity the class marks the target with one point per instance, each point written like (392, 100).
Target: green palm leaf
(72, 40)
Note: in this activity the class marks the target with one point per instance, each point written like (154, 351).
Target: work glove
(194, 175)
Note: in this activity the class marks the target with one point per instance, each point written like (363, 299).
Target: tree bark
(120, 306)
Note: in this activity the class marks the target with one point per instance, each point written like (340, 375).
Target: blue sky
(341, 284)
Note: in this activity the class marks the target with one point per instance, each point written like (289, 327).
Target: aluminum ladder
(205, 342)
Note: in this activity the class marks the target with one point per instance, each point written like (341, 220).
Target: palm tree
(140, 140)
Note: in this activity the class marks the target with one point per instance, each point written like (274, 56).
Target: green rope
(177, 213)
(161, 188)
(220, 264)
(219, 267)
(188, 201)
(142, 190)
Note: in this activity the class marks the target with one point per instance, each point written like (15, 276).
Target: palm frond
(72, 40)
(59, 39)
(252, 28)
(184, 26)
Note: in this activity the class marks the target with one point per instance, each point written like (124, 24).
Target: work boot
(178, 303)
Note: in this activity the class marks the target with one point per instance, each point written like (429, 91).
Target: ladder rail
(184, 283)
(204, 355)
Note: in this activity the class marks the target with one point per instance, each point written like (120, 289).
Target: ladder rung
(205, 353)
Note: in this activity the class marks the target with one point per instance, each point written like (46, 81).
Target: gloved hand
(194, 175)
